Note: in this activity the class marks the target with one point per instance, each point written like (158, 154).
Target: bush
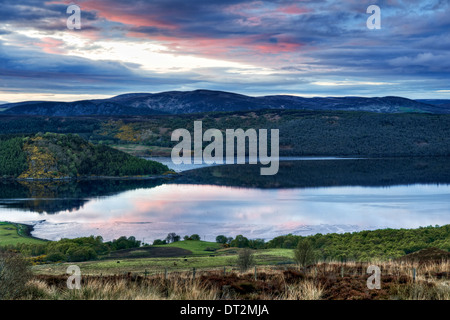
(245, 259)
(304, 253)
(56, 256)
(81, 254)
(14, 274)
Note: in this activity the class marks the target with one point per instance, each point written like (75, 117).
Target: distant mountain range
(185, 102)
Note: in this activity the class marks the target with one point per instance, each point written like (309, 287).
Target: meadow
(200, 270)
(12, 233)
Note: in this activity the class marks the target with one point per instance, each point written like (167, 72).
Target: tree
(245, 259)
(256, 244)
(221, 239)
(195, 237)
(304, 253)
(157, 242)
(240, 241)
(172, 237)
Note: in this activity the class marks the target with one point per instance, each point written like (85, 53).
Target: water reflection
(306, 197)
(212, 210)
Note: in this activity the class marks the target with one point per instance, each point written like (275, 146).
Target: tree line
(78, 249)
(356, 246)
(359, 246)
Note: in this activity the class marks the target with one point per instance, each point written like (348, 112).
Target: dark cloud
(303, 41)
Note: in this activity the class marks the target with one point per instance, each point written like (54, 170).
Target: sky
(296, 47)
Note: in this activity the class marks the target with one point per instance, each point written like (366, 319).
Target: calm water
(151, 211)
(183, 166)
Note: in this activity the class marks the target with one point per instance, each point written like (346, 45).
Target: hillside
(186, 102)
(376, 244)
(57, 156)
(302, 133)
(78, 108)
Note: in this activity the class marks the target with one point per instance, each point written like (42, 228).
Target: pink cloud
(292, 9)
(121, 12)
(51, 45)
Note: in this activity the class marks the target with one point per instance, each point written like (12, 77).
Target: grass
(196, 247)
(322, 281)
(13, 233)
(223, 258)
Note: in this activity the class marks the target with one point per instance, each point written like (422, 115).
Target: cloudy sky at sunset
(299, 47)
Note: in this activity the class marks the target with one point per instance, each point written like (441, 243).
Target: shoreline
(161, 176)
(27, 229)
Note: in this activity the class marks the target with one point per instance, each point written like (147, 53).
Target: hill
(186, 102)
(427, 255)
(302, 133)
(77, 108)
(57, 156)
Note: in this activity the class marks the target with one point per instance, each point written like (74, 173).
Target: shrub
(304, 253)
(245, 259)
(14, 274)
(56, 256)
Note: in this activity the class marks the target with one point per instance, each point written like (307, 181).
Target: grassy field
(125, 275)
(199, 260)
(196, 247)
(12, 233)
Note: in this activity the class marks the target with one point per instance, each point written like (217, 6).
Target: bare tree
(304, 253)
(245, 259)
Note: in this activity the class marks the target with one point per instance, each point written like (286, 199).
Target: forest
(365, 245)
(56, 156)
(302, 133)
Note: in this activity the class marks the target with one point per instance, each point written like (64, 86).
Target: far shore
(160, 176)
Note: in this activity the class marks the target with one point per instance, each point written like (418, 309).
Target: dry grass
(331, 280)
(122, 289)
(307, 290)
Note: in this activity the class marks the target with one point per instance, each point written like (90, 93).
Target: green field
(196, 247)
(12, 233)
(199, 259)
(223, 258)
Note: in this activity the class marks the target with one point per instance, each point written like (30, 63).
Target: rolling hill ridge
(198, 101)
